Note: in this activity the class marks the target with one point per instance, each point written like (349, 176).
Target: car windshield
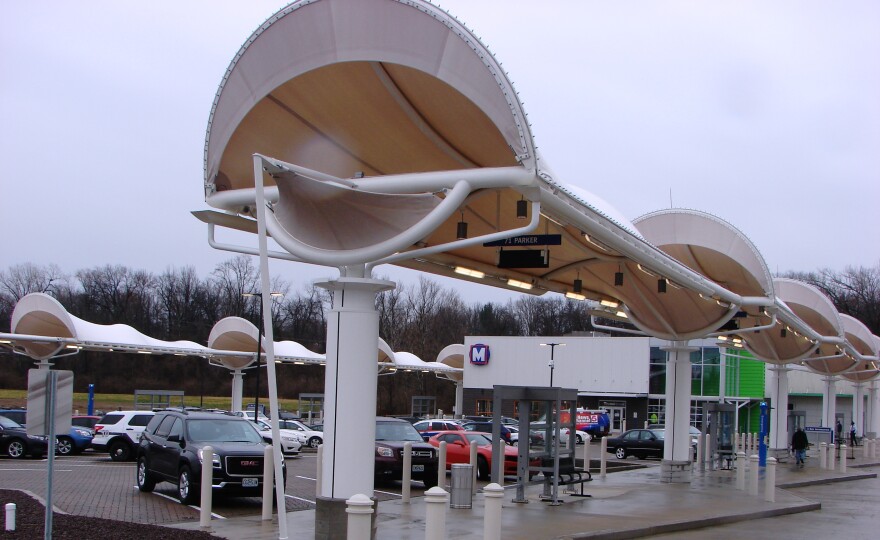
(481, 439)
(7, 423)
(659, 433)
(397, 431)
(222, 430)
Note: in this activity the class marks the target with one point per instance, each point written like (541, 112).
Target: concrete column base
(782, 455)
(676, 472)
(331, 520)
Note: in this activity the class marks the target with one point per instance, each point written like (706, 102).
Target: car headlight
(215, 461)
(83, 432)
(384, 451)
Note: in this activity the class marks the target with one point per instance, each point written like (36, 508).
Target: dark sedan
(641, 443)
(16, 443)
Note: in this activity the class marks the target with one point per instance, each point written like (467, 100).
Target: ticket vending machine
(721, 418)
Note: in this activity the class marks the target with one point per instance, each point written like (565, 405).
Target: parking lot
(90, 484)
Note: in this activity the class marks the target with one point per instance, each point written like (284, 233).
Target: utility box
(462, 486)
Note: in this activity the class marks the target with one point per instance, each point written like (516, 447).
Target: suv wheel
(15, 449)
(145, 481)
(120, 451)
(315, 442)
(64, 446)
(187, 489)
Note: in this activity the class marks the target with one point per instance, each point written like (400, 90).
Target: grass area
(109, 402)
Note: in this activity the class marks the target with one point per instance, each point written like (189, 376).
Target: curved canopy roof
(453, 356)
(865, 347)
(386, 128)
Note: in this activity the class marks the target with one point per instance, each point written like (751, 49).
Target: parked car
(535, 437)
(580, 437)
(76, 440)
(429, 428)
(312, 438)
(85, 421)
(641, 443)
(16, 443)
(486, 427)
(391, 435)
(694, 432)
(291, 441)
(171, 450)
(118, 433)
(458, 450)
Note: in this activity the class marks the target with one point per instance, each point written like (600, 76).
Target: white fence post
(707, 455)
(492, 522)
(435, 513)
(320, 460)
(753, 474)
(441, 465)
(587, 453)
(207, 480)
(406, 482)
(770, 480)
(831, 448)
(268, 474)
(10, 516)
(842, 458)
(603, 450)
(699, 463)
(823, 455)
(359, 509)
(741, 470)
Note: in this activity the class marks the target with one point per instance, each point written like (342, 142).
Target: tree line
(421, 318)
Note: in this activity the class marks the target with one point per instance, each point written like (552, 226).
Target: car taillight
(98, 427)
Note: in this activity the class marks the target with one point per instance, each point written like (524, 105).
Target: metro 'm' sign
(479, 354)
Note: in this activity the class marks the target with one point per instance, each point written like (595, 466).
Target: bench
(569, 475)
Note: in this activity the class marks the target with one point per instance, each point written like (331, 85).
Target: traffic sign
(38, 401)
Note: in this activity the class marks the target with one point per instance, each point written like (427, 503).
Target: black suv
(391, 435)
(170, 450)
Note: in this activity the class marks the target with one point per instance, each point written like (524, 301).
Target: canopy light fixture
(5, 341)
(519, 284)
(299, 363)
(575, 296)
(609, 303)
(144, 352)
(722, 338)
(469, 272)
(461, 230)
(578, 285)
(618, 279)
(621, 314)
(661, 285)
(522, 209)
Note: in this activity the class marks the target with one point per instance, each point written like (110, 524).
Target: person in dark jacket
(799, 444)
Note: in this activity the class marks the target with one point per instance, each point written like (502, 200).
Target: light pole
(259, 348)
(552, 364)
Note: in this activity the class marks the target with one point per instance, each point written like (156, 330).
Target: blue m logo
(479, 354)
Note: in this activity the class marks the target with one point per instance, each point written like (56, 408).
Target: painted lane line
(299, 498)
(387, 493)
(194, 507)
(306, 478)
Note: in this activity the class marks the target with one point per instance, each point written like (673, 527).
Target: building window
(484, 407)
(423, 405)
(657, 373)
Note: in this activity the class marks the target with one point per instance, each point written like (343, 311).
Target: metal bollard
(603, 461)
(320, 460)
(699, 463)
(587, 454)
(10, 516)
(770, 480)
(823, 455)
(475, 464)
(753, 474)
(406, 481)
(842, 458)
(441, 465)
(268, 475)
(435, 514)
(646, 425)
(741, 471)
(831, 448)
(359, 509)
(492, 522)
(707, 455)
(207, 480)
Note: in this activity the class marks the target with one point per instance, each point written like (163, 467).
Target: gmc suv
(391, 435)
(171, 447)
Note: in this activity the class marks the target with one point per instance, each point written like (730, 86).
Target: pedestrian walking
(852, 434)
(799, 444)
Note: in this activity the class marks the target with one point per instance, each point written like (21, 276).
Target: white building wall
(589, 364)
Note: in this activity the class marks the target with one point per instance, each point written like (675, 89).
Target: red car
(458, 450)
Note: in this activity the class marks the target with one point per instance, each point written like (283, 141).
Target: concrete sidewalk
(627, 504)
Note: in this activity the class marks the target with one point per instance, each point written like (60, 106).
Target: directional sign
(38, 399)
(528, 240)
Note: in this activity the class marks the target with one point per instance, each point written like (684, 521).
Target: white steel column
(459, 399)
(873, 411)
(237, 386)
(779, 436)
(829, 402)
(350, 387)
(858, 408)
(677, 453)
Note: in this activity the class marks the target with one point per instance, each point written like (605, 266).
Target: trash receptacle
(462, 486)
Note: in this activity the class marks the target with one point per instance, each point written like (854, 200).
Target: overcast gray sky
(766, 114)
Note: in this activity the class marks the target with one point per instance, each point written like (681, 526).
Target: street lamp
(259, 347)
(552, 364)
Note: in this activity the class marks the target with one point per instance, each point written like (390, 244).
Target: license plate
(250, 482)
(418, 468)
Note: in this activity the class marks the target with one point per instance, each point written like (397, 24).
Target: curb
(820, 481)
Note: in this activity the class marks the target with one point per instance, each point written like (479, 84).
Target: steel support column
(779, 436)
(677, 452)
